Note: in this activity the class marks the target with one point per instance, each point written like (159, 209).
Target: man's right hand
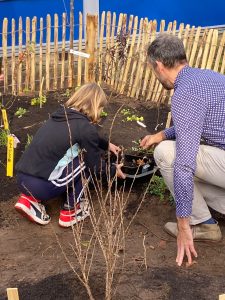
(150, 140)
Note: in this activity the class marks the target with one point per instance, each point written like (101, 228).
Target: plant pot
(138, 166)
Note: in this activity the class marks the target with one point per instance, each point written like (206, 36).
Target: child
(63, 151)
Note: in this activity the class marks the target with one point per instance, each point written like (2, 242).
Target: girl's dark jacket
(52, 141)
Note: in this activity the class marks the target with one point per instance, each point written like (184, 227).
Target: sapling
(20, 112)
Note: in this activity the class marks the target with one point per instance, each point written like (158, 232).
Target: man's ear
(160, 65)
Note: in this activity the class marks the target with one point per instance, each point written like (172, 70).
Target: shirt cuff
(170, 133)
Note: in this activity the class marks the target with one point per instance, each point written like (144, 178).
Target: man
(190, 154)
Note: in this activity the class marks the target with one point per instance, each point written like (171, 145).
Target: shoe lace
(43, 211)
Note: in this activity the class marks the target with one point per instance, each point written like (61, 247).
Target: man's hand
(150, 140)
(113, 148)
(185, 243)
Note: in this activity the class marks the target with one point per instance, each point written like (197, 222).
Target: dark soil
(32, 260)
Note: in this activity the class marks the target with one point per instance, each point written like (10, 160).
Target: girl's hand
(114, 149)
(119, 172)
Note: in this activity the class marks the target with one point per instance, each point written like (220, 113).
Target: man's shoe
(71, 216)
(201, 232)
(32, 210)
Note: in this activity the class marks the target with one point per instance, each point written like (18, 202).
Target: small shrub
(20, 112)
(158, 188)
(104, 114)
(29, 140)
(39, 101)
(3, 137)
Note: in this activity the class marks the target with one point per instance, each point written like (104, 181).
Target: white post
(90, 7)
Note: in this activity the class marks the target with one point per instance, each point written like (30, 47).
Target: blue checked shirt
(198, 112)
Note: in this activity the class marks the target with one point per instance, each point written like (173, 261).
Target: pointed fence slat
(41, 53)
(79, 64)
(100, 52)
(48, 52)
(5, 56)
(135, 61)
(28, 62)
(206, 49)
(63, 54)
(211, 57)
(71, 56)
(123, 63)
(56, 54)
(21, 56)
(112, 68)
(33, 55)
(129, 58)
(195, 46)
(13, 58)
(219, 53)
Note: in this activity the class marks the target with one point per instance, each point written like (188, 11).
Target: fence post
(90, 47)
(5, 60)
(71, 58)
(33, 55)
(13, 62)
(56, 54)
(48, 52)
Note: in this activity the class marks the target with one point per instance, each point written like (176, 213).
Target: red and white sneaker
(70, 217)
(32, 210)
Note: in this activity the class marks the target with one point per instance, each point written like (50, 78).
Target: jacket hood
(60, 114)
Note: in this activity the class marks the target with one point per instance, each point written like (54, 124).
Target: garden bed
(31, 258)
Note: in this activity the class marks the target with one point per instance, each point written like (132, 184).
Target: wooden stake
(212, 52)
(201, 48)
(114, 62)
(41, 52)
(133, 72)
(194, 47)
(12, 294)
(27, 77)
(100, 53)
(129, 58)
(79, 67)
(20, 89)
(33, 55)
(168, 122)
(48, 52)
(62, 83)
(71, 57)
(13, 64)
(206, 49)
(219, 53)
(56, 54)
(5, 58)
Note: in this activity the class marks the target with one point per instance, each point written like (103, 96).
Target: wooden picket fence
(117, 51)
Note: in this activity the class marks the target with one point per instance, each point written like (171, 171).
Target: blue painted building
(198, 13)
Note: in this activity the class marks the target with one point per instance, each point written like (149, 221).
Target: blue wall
(193, 12)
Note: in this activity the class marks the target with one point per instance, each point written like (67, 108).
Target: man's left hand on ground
(185, 243)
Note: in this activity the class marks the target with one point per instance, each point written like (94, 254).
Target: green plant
(20, 112)
(39, 101)
(159, 188)
(130, 116)
(29, 140)
(104, 114)
(138, 148)
(3, 137)
(67, 93)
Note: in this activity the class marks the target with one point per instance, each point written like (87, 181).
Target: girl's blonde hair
(88, 99)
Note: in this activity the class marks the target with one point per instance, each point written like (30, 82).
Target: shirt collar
(183, 71)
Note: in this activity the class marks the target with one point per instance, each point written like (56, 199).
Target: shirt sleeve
(170, 133)
(189, 113)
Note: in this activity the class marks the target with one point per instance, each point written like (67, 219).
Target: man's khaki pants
(209, 180)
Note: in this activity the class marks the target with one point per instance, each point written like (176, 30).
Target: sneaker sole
(23, 210)
(71, 223)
